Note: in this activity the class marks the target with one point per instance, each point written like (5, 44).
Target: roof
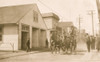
(44, 15)
(65, 24)
(12, 14)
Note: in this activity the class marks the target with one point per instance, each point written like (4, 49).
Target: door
(24, 40)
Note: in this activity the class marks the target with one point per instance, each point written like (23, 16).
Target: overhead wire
(61, 17)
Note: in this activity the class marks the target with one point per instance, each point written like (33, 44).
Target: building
(20, 23)
(66, 28)
(51, 21)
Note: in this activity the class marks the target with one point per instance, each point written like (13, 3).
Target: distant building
(20, 23)
(66, 27)
(51, 21)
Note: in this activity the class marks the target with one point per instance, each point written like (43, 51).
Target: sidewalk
(9, 54)
(4, 55)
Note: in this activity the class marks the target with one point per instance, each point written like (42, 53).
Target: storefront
(23, 25)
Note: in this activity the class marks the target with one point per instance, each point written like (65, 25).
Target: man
(88, 43)
(98, 43)
(91, 40)
(46, 43)
(93, 43)
(75, 44)
(28, 45)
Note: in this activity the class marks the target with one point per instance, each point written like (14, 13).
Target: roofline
(22, 16)
(41, 16)
(7, 23)
(66, 22)
(18, 5)
(45, 15)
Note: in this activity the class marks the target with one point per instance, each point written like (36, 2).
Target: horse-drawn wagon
(68, 44)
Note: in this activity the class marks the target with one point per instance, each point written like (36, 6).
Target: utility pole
(98, 8)
(92, 15)
(99, 27)
(79, 19)
(79, 23)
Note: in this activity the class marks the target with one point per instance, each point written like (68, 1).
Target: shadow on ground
(77, 52)
(9, 54)
(6, 55)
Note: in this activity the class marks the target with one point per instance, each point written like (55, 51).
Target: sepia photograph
(49, 30)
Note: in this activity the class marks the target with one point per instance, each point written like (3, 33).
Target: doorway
(24, 40)
(35, 37)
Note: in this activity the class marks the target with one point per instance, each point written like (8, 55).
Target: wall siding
(10, 37)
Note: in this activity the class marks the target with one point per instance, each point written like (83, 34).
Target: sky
(67, 10)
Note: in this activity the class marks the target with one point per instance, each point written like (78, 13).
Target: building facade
(66, 28)
(20, 23)
(51, 21)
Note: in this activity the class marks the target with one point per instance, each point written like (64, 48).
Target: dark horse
(69, 45)
(52, 46)
(66, 44)
(55, 46)
(73, 44)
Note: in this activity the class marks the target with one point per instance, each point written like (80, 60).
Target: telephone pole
(92, 15)
(79, 19)
(79, 23)
(98, 8)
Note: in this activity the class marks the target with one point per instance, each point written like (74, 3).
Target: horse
(52, 46)
(66, 44)
(73, 45)
(69, 45)
(55, 46)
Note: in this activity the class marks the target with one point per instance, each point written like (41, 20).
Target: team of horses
(68, 45)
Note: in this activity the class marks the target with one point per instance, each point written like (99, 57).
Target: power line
(52, 10)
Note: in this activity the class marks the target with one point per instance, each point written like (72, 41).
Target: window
(0, 33)
(35, 16)
(25, 28)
